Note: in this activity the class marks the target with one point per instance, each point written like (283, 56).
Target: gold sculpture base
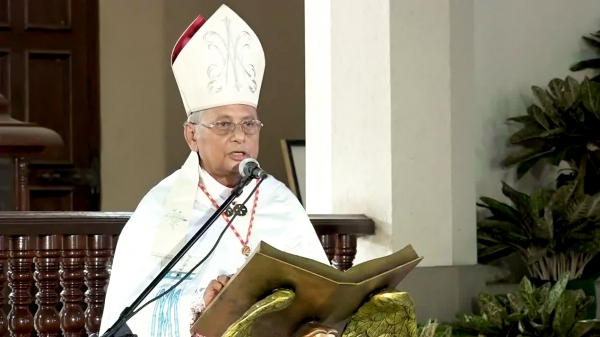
(314, 329)
(388, 313)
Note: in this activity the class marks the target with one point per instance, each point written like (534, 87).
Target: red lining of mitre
(187, 36)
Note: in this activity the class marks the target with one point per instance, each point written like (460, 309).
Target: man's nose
(238, 134)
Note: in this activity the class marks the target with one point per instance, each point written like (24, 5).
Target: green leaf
(543, 291)
(522, 328)
(520, 201)
(516, 303)
(544, 227)
(546, 102)
(516, 317)
(528, 132)
(491, 308)
(559, 131)
(583, 302)
(499, 225)
(578, 295)
(525, 166)
(428, 330)
(503, 233)
(526, 154)
(590, 96)
(492, 253)
(474, 323)
(592, 42)
(443, 331)
(539, 328)
(522, 119)
(535, 254)
(564, 316)
(582, 327)
(541, 295)
(503, 300)
(538, 114)
(555, 293)
(585, 207)
(538, 200)
(561, 198)
(571, 90)
(526, 293)
(513, 238)
(556, 87)
(587, 64)
(558, 157)
(501, 210)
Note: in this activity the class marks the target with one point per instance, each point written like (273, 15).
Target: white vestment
(280, 221)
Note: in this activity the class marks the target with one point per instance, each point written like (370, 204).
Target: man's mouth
(238, 155)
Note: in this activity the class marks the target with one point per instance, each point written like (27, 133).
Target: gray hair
(195, 117)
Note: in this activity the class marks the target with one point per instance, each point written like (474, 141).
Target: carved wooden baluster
(20, 276)
(4, 253)
(96, 278)
(328, 243)
(345, 251)
(21, 184)
(47, 264)
(113, 246)
(72, 320)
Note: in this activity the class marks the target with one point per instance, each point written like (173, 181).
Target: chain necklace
(239, 210)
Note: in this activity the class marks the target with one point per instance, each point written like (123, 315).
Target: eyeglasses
(250, 127)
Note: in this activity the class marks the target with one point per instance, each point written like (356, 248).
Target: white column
(388, 122)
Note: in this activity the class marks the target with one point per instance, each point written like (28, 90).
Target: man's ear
(189, 133)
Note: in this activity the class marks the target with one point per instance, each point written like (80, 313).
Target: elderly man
(218, 65)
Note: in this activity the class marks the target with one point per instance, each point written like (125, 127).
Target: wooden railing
(44, 254)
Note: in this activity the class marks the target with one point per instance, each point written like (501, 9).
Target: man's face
(221, 149)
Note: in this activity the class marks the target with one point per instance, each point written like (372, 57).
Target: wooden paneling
(49, 72)
(4, 14)
(6, 184)
(51, 198)
(51, 106)
(5, 73)
(48, 14)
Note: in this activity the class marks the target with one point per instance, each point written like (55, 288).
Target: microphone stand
(127, 312)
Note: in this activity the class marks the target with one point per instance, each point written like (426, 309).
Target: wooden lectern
(277, 294)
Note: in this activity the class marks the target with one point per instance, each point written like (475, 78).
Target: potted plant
(532, 311)
(594, 42)
(553, 231)
(562, 127)
(433, 329)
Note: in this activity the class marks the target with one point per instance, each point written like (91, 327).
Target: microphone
(250, 168)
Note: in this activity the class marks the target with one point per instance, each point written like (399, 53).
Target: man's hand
(214, 287)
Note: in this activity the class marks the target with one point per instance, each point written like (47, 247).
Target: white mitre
(223, 63)
(216, 62)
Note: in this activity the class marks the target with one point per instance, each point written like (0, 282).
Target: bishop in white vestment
(218, 65)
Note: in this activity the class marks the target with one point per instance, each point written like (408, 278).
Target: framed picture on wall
(294, 158)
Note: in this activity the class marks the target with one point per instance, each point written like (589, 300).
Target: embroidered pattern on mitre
(222, 63)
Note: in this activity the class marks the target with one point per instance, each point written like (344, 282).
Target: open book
(323, 293)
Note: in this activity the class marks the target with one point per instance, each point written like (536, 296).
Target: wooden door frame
(93, 58)
(93, 129)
